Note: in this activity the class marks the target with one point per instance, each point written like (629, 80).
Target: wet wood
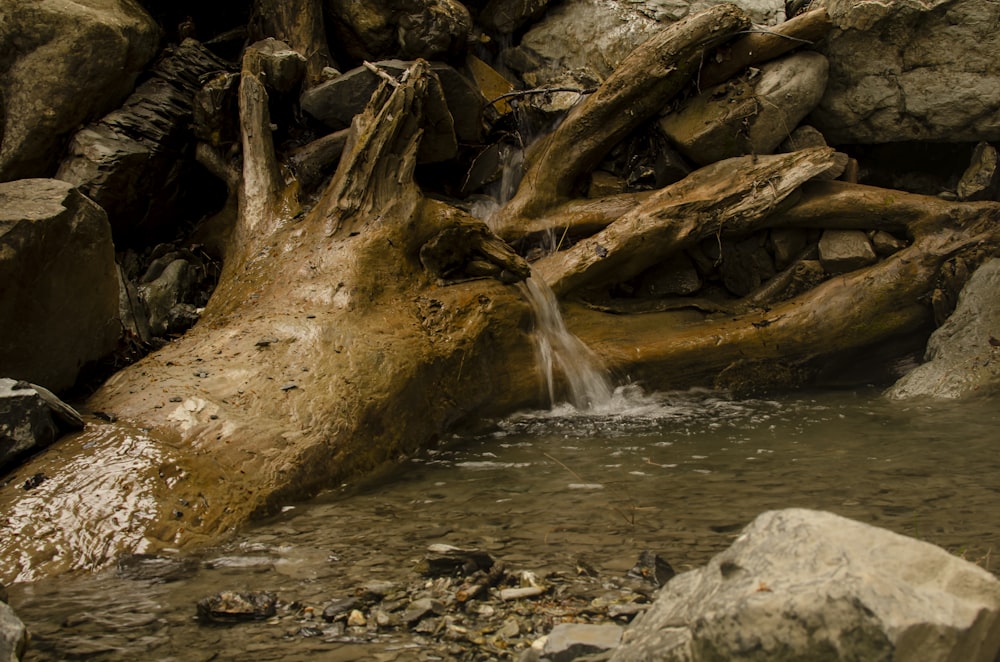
(731, 197)
(298, 23)
(640, 87)
(764, 44)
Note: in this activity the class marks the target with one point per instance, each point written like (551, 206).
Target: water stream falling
(587, 383)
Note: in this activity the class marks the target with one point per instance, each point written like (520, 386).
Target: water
(678, 474)
(560, 353)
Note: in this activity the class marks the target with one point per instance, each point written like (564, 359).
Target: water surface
(678, 474)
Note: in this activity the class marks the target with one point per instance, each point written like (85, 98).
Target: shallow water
(677, 474)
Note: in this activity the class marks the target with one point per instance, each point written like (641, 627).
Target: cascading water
(559, 351)
(587, 384)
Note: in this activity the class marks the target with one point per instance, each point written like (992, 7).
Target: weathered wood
(730, 197)
(298, 23)
(787, 343)
(764, 44)
(640, 87)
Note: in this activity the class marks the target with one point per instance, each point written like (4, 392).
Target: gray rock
(808, 585)
(841, 251)
(786, 244)
(165, 295)
(132, 162)
(364, 29)
(506, 16)
(587, 39)
(31, 418)
(885, 243)
(749, 116)
(745, 265)
(72, 61)
(803, 137)
(57, 266)
(13, 635)
(434, 29)
(906, 70)
(569, 641)
(963, 355)
(455, 114)
(236, 606)
(981, 180)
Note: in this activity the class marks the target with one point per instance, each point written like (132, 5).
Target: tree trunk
(349, 333)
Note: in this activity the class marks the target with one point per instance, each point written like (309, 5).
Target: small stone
(356, 619)
(236, 606)
(338, 607)
(651, 568)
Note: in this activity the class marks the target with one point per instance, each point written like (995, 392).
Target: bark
(298, 23)
(641, 86)
(788, 343)
(730, 197)
(758, 47)
(351, 332)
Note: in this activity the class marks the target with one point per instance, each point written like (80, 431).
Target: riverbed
(559, 493)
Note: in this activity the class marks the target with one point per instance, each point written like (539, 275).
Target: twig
(381, 74)
(538, 90)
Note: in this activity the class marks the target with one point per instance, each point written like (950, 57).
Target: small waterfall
(560, 353)
(587, 384)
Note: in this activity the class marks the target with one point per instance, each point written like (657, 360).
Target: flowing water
(678, 474)
(562, 354)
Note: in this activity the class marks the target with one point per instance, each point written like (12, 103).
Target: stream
(678, 474)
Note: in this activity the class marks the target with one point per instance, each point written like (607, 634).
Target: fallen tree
(351, 330)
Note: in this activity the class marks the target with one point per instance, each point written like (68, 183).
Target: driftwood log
(352, 330)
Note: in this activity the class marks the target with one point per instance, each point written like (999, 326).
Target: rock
(809, 585)
(31, 418)
(134, 161)
(166, 296)
(981, 180)
(841, 251)
(364, 29)
(745, 265)
(786, 244)
(569, 641)
(68, 62)
(751, 115)
(455, 113)
(676, 276)
(507, 16)
(447, 560)
(963, 355)
(886, 244)
(237, 606)
(904, 70)
(651, 568)
(13, 635)
(433, 29)
(282, 68)
(215, 110)
(589, 38)
(338, 608)
(803, 137)
(57, 266)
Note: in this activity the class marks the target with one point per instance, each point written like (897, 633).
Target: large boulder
(808, 585)
(963, 355)
(905, 70)
(584, 40)
(71, 62)
(58, 282)
(134, 160)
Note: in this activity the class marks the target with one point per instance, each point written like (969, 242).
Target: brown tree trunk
(346, 334)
